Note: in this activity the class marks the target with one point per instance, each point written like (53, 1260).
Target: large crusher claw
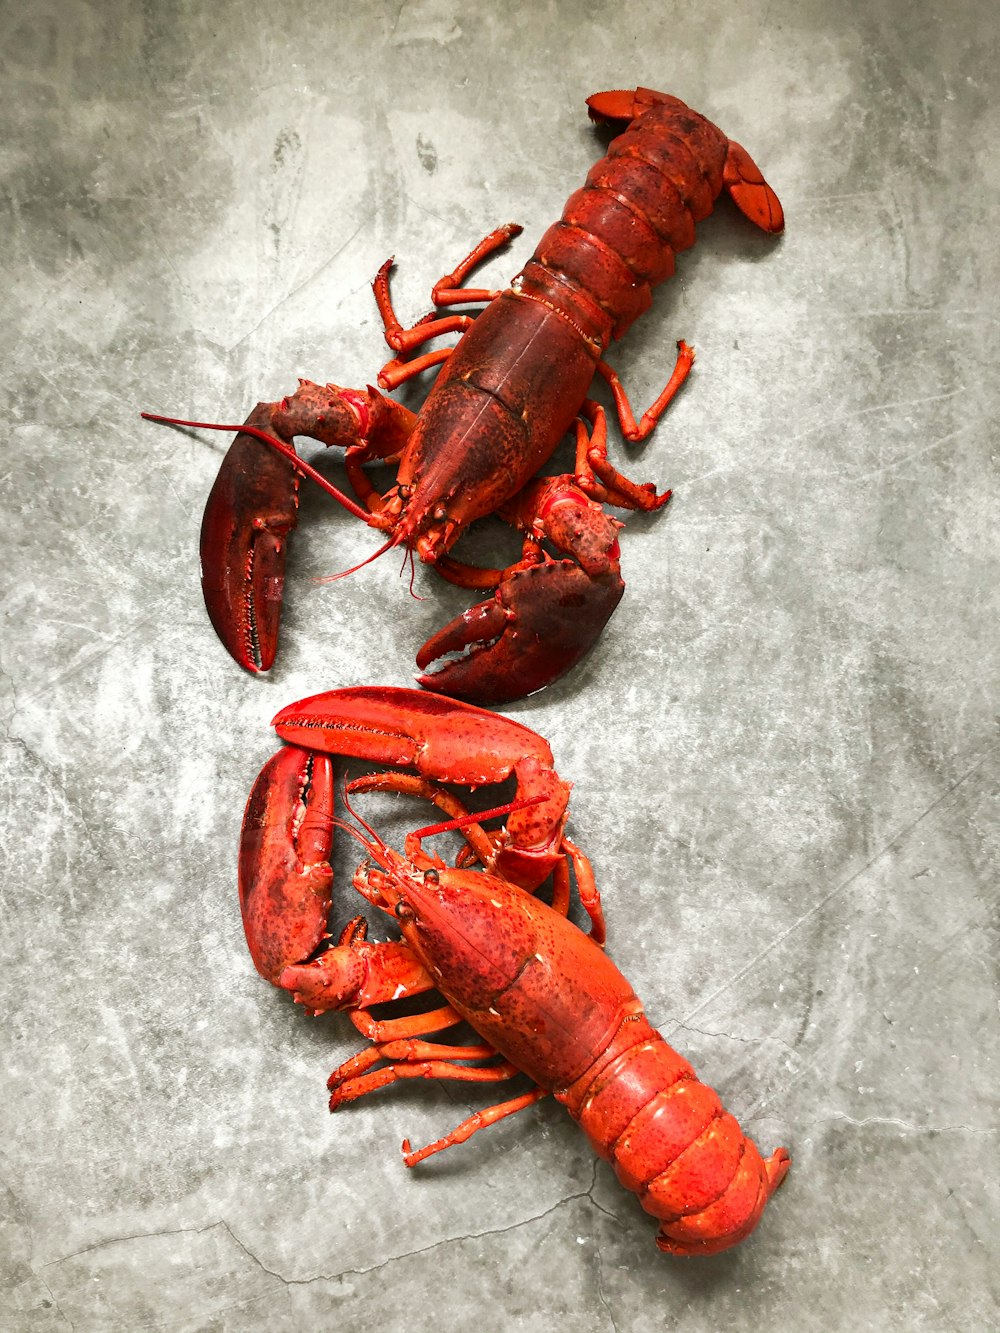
(542, 619)
(285, 882)
(251, 509)
(446, 741)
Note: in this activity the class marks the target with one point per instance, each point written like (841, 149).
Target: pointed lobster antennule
(542, 620)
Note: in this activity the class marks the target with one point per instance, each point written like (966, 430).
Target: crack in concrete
(324, 1277)
(17, 1215)
(590, 1194)
(675, 1024)
(55, 1304)
(779, 939)
(134, 1235)
(290, 296)
(841, 1117)
(906, 458)
(600, 1291)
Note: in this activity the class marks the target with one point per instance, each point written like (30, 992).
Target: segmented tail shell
(618, 235)
(671, 1142)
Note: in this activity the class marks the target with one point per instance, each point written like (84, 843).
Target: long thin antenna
(477, 817)
(332, 578)
(363, 822)
(278, 446)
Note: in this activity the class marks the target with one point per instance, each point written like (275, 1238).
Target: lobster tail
(672, 1143)
(618, 236)
(626, 103)
(741, 177)
(736, 1211)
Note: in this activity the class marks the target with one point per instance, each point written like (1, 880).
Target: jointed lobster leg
(352, 1089)
(490, 1115)
(354, 1077)
(447, 291)
(626, 418)
(379, 1031)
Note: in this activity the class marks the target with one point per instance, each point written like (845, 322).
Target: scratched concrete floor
(783, 748)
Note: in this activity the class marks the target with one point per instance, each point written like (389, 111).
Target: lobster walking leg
(489, 1115)
(595, 474)
(630, 429)
(352, 1089)
(447, 291)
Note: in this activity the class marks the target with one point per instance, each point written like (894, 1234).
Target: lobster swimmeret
(541, 994)
(514, 385)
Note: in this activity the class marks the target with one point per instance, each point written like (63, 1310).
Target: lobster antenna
(477, 817)
(373, 850)
(280, 447)
(332, 578)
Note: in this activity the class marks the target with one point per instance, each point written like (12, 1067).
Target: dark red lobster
(510, 390)
(541, 995)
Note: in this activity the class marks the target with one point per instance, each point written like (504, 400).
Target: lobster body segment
(515, 384)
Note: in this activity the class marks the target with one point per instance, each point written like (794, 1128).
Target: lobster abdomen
(671, 1142)
(618, 235)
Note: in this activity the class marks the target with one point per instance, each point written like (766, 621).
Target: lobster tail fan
(750, 192)
(626, 104)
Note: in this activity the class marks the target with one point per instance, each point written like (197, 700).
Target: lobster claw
(250, 511)
(285, 878)
(254, 503)
(542, 619)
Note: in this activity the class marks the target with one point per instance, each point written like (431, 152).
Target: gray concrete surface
(783, 748)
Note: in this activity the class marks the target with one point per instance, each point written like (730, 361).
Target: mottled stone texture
(783, 748)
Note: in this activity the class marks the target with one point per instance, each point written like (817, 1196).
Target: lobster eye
(431, 877)
(404, 911)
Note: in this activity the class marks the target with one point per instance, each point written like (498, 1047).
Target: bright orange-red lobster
(509, 391)
(541, 995)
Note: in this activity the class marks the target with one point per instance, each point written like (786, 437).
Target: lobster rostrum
(515, 384)
(542, 996)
